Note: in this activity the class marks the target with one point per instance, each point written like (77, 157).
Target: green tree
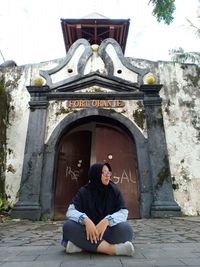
(163, 10)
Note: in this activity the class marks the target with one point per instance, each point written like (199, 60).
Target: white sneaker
(71, 248)
(126, 248)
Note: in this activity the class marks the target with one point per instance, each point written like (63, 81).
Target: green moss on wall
(4, 121)
(5, 99)
(63, 110)
(164, 173)
(5, 107)
(194, 78)
(139, 115)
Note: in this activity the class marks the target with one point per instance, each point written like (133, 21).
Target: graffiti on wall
(125, 177)
(72, 174)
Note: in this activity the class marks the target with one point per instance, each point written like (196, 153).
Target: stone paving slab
(169, 242)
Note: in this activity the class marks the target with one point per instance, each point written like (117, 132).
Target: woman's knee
(70, 227)
(126, 230)
(130, 232)
(73, 231)
(119, 233)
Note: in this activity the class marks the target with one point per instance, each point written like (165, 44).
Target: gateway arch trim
(47, 183)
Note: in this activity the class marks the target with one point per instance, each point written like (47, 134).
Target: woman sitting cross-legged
(97, 217)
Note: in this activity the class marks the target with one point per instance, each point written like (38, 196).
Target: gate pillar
(163, 204)
(28, 206)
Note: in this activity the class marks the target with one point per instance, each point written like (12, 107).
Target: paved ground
(173, 242)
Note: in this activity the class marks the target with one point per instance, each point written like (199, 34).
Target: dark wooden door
(110, 144)
(116, 147)
(72, 169)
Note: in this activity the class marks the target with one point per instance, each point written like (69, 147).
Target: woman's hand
(91, 231)
(101, 228)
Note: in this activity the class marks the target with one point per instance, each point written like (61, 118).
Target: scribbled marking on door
(124, 178)
(72, 174)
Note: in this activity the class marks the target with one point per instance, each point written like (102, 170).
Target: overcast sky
(30, 30)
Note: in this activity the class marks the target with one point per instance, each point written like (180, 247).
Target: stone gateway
(93, 105)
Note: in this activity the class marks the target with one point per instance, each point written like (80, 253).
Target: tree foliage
(163, 10)
(194, 27)
(180, 55)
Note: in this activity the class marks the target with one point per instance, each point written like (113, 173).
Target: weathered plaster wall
(181, 111)
(15, 80)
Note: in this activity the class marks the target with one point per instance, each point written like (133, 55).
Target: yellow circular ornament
(150, 79)
(39, 81)
(95, 47)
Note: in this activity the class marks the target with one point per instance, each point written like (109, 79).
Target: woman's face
(105, 176)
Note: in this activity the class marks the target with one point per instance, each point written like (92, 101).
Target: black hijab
(97, 200)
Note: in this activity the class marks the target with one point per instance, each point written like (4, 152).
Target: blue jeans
(76, 233)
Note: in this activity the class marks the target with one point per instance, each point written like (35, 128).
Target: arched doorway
(92, 142)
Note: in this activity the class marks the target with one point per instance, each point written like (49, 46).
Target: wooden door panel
(112, 145)
(116, 147)
(72, 169)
